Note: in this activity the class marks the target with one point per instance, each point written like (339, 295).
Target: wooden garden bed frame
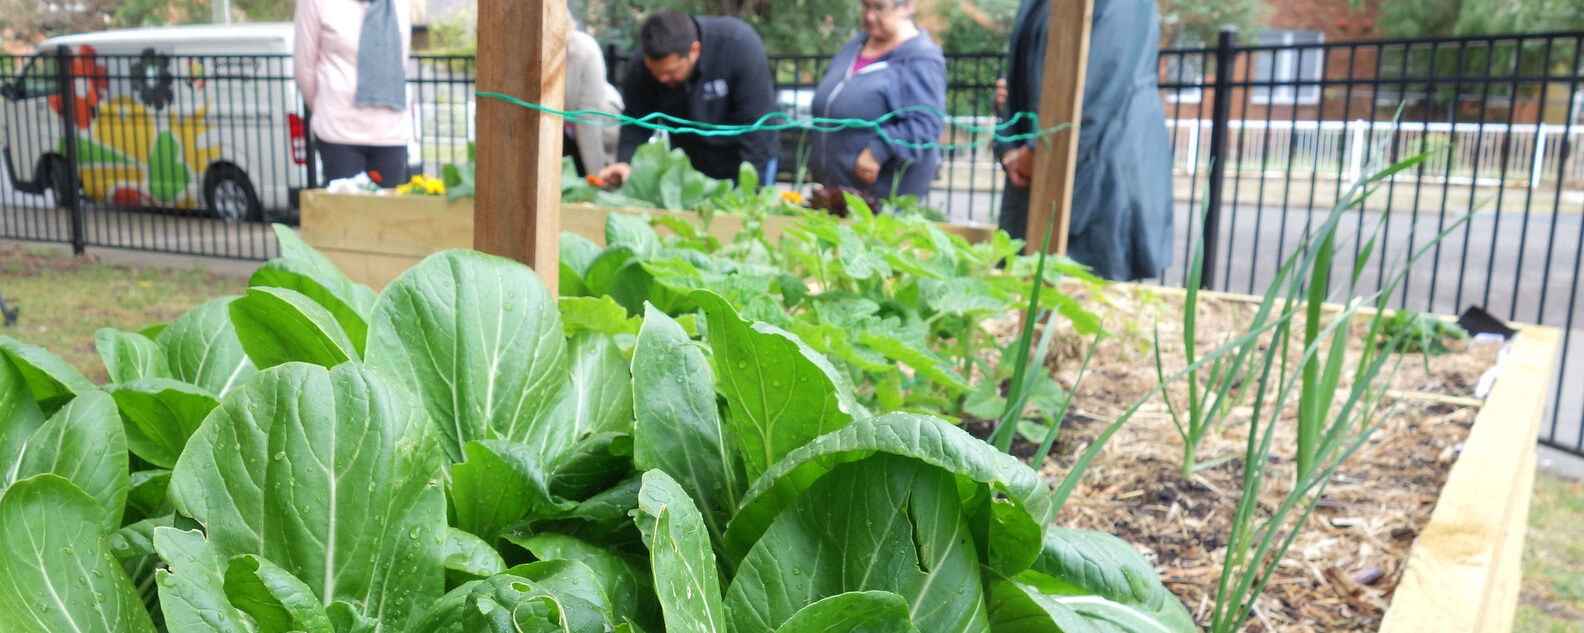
(374, 238)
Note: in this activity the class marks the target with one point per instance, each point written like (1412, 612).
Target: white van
(193, 117)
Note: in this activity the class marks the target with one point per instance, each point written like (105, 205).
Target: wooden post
(517, 195)
(1061, 101)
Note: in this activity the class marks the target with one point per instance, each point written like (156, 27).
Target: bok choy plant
(460, 453)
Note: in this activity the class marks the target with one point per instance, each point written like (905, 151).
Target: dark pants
(345, 161)
(1014, 210)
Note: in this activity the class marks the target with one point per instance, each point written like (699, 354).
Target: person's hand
(1019, 165)
(867, 169)
(615, 174)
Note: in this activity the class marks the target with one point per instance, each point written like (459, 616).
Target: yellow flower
(423, 185)
(792, 197)
(143, 284)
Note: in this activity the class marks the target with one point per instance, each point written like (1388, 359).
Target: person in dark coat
(707, 69)
(888, 67)
(1121, 223)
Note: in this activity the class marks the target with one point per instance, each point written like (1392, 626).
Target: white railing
(1462, 153)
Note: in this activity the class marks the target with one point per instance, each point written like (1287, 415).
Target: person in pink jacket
(349, 60)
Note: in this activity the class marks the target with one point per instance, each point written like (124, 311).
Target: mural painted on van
(134, 149)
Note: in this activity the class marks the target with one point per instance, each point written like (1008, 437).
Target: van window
(39, 77)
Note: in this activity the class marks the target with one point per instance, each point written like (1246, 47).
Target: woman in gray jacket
(889, 66)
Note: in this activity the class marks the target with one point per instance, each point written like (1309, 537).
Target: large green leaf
(499, 484)
(53, 381)
(591, 314)
(604, 267)
(329, 474)
(885, 523)
(923, 361)
(1102, 578)
(679, 428)
(307, 271)
(627, 581)
(83, 443)
(192, 590)
(278, 601)
(55, 572)
(470, 555)
(478, 338)
(146, 494)
(679, 554)
(577, 252)
(279, 325)
(1016, 521)
(781, 393)
(592, 466)
(128, 356)
(20, 416)
(594, 397)
(511, 603)
(202, 349)
(632, 231)
(1016, 608)
(666, 283)
(853, 612)
(160, 414)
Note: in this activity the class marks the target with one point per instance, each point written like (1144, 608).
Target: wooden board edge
(1460, 571)
(1507, 579)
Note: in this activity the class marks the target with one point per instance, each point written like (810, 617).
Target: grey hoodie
(912, 74)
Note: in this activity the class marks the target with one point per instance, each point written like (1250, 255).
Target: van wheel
(230, 195)
(57, 174)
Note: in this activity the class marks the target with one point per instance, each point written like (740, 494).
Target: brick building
(1303, 36)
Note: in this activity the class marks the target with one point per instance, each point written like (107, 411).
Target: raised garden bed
(374, 238)
(1422, 530)
(1391, 548)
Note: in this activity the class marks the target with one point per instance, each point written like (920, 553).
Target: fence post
(1220, 122)
(1355, 136)
(1538, 167)
(64, 86)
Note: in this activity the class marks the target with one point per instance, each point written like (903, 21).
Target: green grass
(64, 299)
(1552, 600)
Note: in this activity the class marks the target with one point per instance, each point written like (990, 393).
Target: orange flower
(376, 177)
(595, 180)
(90, 85)
(792, 197)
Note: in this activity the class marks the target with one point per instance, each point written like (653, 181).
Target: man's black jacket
(731, 85)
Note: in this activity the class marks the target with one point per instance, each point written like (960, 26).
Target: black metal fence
(184, 154)
(1267, 137)
(189, 154)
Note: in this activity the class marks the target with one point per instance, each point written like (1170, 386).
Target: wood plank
(420, 225)
(1061, 101)
(1460, 575)
(1507, 579)
(374, 270)
(521, 53)
(409, 225)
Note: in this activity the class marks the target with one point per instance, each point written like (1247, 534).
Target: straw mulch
(1340, 573)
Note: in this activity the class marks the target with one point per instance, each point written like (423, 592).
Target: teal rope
(672, 124)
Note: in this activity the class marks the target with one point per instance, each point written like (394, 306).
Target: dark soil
(1340, 573)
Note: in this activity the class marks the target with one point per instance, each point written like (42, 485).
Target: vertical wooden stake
(517, 196)
(1061, 101)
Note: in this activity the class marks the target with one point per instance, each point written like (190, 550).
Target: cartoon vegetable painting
(89, 83)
